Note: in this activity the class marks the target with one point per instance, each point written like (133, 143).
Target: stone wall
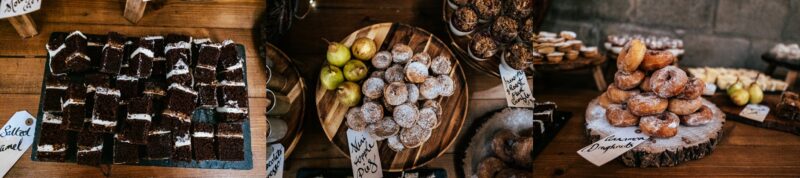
(731, 33)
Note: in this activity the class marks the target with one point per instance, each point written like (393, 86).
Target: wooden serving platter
(282, 65)
(772, 121)
(691, 143)
(454, 108)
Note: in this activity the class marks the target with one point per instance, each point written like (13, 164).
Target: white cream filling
(56, 87)
(183, 141)
(211, 45)
(146, 52)
(201, 40)
(206, 67)
(182, 88)
(93, 149)
(107, 91)
(203, 134)
(49, 148)
(126, 77)
(72, 102)
(227, 42)
(231, 83)
(178, 45)
(145, 117)
(230, 135)
(232, 110)
(54, 52)
(51, 119)
(159, 132)
(98, 121)
(159, 59)
(234, 67)
(180, 68)
(78, 55)
(76, 33)
(150, 38)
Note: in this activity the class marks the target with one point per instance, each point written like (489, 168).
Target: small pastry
(629, 58)
(589, 52)
(413, 93)
(414, 137)
(545, 34)
(448, 87)
(563, 47)
(662, 125)
(555, 57)
(654, 60)
(618, 115)
(668, 81)
(576, 44)
(526, 33)
(395, 93)
(463, 21)
(487, 9)
(545, 48)
(373, 88)
(701, 117)
(518, 56)
(401, 53)
(427, 119)
(422, 57)
(354, 119)
(572, 55)
(416, 72)
(383, 128)
(431, 88)
(684, 106)
(382, 60)
(394, 143)
(628, 81)
(405, 115)
(435, 105)
(504, 29)
(568, 35)
(441, 65)
(395, 73)
(619, 96)
(371, 112)
(482, 47)
(647, 104)
(519, 9)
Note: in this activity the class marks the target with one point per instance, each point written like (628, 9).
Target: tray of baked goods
(158, 101)
(505, 142)
(403, 87)
(485, 32)
(783, 114)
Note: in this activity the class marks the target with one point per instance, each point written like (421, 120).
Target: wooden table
(747, 151)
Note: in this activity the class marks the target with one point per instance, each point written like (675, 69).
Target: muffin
(441, 65)
(463, 21)
(401, 53)
(526, 33)
(568, 35)
(504, 29)
(416, 72)
(482, 47)
(519, 9)
(395, 93)
(572, 54)
(518, 56)
(555, 57)
(488, 9)
(373, 88)
(382, 60)
(589, 52)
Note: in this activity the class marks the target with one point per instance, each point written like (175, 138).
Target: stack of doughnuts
(650, 93)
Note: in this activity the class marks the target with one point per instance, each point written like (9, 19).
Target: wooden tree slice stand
(454, 108)
(296, 94)
(772, 121)
(691, 143)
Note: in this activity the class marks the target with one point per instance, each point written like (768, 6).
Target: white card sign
(15, 138)
(755, 112)
(612, 146)
(710, 89)
(515, 84)
(275, 161)
(10, 8)
(364, 157)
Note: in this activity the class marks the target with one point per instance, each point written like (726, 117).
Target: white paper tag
(364, 157)
(10, 8)
(755, 112)
(515, 83)
(275, 161)
(15, 138)
(612, 146)
(710, 89)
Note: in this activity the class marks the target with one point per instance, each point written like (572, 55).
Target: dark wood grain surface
(747, 151)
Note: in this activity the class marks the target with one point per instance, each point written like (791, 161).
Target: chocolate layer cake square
(205, 74)
(104, 115)
(233, 101)
(208, 54)
(54, 93)
(137, 123)
(181, 99)
(196, 44)
(206, 95)
(125, 152)
(159, 143)
(130, 45)
(178, 51)
(154, 90)
(176, 121)
(73, 108)
(128, 87)
(94, 80)
(230, 142)
(77, 60)
(233, 73)
(179, 74)
(203, 141)
(141, 62)
(57, 55)
(183, 147)
(112, 53)
(160, 67)
(228, 56)
(90, 147)
(52, 145)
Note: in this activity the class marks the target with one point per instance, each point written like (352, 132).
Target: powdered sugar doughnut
(663, 125)
(701, 117)
(383, 129)
(645, 104)
(441, 65)
(416, 72)
(618, 96)
(401, 53)
(693, 89)
(434, 105)
(619, 116)
(382, 60)
(354, 119)
(427, 118)
(628, 81)
(373, 88)
(604, 101)
(668, 81)
(371, 112)
(631, 56)
(431, 88)
(414, 137)
(421, 57)
(684, 107)
(405, 115)
(394, 74)
(395, 93)
(645, 86)
(656, 59)
(448, 87)
(394, 143)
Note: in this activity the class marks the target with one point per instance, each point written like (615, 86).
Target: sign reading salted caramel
(10, 8)
(515, 84)
(275, 161)
(15, 138)
(613, 146)
(364, 158)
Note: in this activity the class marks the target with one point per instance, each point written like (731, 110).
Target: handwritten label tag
(515, 83)
(710, 89)
(364, 157)
(10, 8)
(275, 161)
(15, 138)
(755, 112)
(612, 146)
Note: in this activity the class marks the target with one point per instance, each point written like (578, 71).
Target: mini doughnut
(395, 93)
(604, 101)
(427, 119)
(618, 96)
(683, 106)
(371, 112)
(416, 72)
(382, 60)
(394, 73)
(645, 86)
(693, 89)
(654, 60)
(628, 81)
(401, 53)
(414, 137)
(501, 146)
(431, 88)
(668, 81)
(646, 104)
(373, 88)
(663, 125)
(701, 117)
(619, 116)
(631, 56)
(405, 115)
(441, 65)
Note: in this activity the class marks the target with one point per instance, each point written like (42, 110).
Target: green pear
(756, 94)
(348, 93)
(338, 54)
(364, 48)
(740, 97)
(735, 86)
(355, 70)
(331, 76)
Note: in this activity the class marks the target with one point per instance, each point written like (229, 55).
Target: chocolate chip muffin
(504, 29)
(518, 56)
(482, 46)
(463, 21)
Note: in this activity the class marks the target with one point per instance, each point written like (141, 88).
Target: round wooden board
(691, 143)
(331, 113)
(282, 65)
(460, 44)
